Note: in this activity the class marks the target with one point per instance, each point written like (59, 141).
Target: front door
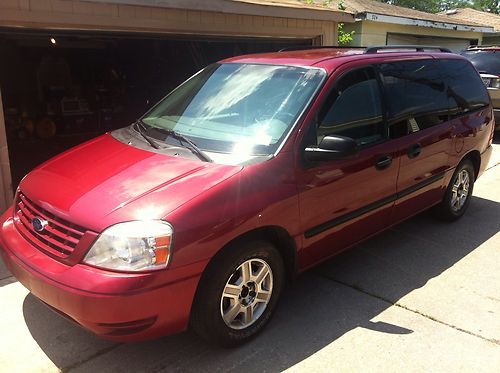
(344, 201)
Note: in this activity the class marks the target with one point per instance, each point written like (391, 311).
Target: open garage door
(454, 44)
(62, 88)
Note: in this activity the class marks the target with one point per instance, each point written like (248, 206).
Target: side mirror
(332, 148)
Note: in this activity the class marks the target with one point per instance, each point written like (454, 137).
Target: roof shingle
(371, 6)
(476, 16)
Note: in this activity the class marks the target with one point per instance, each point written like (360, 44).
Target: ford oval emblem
(39, 224)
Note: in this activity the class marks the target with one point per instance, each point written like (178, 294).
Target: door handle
(414, 150)
(383, 162)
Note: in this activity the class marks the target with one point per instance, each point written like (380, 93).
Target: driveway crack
(397, 304)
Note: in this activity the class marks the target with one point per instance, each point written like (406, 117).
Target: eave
(246, 7)
(383, 18)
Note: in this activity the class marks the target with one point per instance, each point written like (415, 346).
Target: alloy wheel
(246, 294)
(460, 190)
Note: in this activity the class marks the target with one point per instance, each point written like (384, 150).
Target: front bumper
(117, 306)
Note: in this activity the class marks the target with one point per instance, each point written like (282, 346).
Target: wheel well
(279, 237)
(475, 158)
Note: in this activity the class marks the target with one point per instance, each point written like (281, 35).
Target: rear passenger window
(466, 90)
(416, 95)
(353, 109)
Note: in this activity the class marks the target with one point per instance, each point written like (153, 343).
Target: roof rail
(306, 47)
(418, 48)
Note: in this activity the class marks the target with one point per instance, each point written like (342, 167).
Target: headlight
(132, 246)
(495, 83)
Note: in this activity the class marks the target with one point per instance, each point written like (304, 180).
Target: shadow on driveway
(321, 306)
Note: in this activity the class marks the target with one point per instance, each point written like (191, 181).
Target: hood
(104, 181)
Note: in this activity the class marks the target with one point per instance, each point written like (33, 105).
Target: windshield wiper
(141, 128)
(183, 139)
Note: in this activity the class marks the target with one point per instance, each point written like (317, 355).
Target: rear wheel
(458, 194)
(238, 293)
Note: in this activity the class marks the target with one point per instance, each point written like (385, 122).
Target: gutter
(383, 18)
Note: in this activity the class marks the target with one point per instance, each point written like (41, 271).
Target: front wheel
(238, 293)
(458, 194)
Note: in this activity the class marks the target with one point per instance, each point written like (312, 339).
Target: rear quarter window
(465, 89)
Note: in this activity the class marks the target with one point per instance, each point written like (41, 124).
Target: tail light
(491, 81)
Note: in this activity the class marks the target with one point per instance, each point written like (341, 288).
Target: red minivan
(253, 170)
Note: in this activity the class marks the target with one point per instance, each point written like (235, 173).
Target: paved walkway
(423, 296)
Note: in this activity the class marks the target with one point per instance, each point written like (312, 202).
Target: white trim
(422, 23)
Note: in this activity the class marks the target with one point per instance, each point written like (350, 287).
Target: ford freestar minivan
(255, 169)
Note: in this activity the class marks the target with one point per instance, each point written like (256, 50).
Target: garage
(60, 89)
(455, 44)
(383, 23)
(76, 69)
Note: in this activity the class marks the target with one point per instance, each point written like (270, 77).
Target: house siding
(375, 33)
(491, 40)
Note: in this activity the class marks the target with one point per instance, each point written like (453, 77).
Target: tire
(227, 288)
(458, 194)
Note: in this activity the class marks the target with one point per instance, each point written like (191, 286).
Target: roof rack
(368, 50)
(306, 47)
(418, 48)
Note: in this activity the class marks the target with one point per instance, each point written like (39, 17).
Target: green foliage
(344, 37)
(492, 6)
(431, 6)
(434, 6)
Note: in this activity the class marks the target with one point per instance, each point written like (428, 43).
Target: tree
(492, 6)
(434, 6)
(431, 6)
(344, 37)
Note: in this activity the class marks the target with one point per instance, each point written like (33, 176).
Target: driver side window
(353, 109)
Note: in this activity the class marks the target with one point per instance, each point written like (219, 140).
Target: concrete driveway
(423, 296)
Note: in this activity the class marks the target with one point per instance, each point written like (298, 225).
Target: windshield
(484, 61)
(235, 111)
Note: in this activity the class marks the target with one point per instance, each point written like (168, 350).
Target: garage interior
(62, 88)
(455, 44)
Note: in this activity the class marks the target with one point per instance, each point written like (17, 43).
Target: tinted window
(353, 109)
(416, 95)
(465, 88)
(484, 61)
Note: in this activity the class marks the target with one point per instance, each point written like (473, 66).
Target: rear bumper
(117, 306)
(495, 100)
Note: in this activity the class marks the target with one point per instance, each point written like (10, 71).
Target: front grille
(59, 237)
